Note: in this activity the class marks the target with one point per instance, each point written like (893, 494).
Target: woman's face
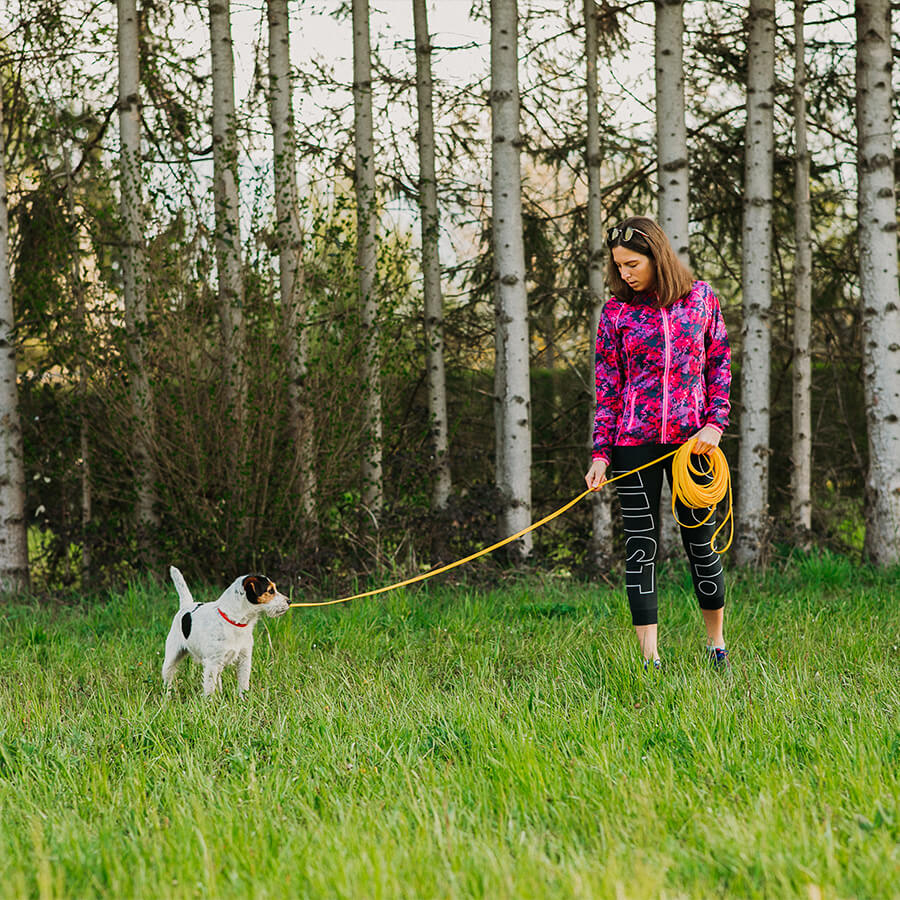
(637, 270)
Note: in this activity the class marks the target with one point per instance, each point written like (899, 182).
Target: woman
(663, 374)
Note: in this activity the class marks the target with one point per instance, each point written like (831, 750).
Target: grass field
(463, 742)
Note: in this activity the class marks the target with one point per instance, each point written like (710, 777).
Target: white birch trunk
(601, 547)
(366, 259)
(13, 535)
(801, 437)
(290, 258)
(79, 315)
(514, 460)
(673, 178)
(753, 521)
(227, 202)
(134, 277)
(431, 263)
(878, 278)
(671, 130)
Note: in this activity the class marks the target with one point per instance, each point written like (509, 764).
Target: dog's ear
(255, 586)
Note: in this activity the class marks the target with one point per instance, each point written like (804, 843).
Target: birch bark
(79, 316)
(13, 537)
(880, 295)
(801, 438)
(431, 262)
(366, 259)
(753, 460)
(511, 299)
(601, 547)
(134, 277)
(289, 235)
(227, 203)
(671, 130)
(673, 178)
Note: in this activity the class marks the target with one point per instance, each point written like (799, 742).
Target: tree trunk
(601, 548)
(801, 436)
(514, 463)
(753, 523)
(13, 535)
(672, 177)
(671, 131)
(366, 259)
(290, 260)
(227, 202)
(431, 264)
(878, 278)
(134, 278)
(79, 316)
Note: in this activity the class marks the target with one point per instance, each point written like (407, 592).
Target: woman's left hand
(707, 438)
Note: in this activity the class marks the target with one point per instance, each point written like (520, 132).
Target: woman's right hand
(596, 475)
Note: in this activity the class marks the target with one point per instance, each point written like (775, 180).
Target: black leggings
(639, 498)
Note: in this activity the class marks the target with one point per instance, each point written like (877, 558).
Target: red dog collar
(236, 624)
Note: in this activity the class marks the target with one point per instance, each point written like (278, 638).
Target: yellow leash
(683, 486)
(699, 496)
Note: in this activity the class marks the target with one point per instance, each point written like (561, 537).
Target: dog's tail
(185, 599)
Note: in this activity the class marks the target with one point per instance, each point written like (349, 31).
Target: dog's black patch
(255, 586)
(186, 625)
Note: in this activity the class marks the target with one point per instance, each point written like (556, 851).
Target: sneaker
(718, 656)
(656, 667)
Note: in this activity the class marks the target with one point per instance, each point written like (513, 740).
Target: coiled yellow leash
(683, 487)
(701, 496)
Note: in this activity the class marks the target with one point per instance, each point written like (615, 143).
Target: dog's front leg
(212, 676)
(243, 670)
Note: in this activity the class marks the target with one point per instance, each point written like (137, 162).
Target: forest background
(144, 442)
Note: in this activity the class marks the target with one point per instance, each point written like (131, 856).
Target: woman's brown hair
(673, 278)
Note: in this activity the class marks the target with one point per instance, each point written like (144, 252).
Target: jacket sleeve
(718, 367)
(609, 379)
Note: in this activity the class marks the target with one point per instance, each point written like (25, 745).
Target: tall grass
(454, 742)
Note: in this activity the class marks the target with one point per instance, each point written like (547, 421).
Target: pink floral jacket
(661, 374)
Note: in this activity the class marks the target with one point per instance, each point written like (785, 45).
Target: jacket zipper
(631, 414)
(668, 357)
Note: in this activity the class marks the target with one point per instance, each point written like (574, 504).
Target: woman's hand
(596, 475)
(707, 438)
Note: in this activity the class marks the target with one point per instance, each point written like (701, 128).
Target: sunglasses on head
(618, 233)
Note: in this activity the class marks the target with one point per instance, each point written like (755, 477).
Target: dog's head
(261, 592)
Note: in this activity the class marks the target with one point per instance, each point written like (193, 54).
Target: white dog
(220, 634)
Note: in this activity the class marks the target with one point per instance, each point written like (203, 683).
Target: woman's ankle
(647, 638)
